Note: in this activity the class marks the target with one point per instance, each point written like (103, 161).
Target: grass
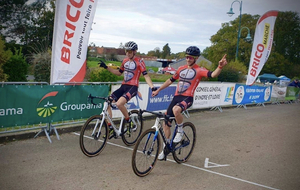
(155, 77)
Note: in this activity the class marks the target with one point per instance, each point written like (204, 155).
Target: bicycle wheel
(131, 134)
(185, 147)
(145, 153)
(92, 140)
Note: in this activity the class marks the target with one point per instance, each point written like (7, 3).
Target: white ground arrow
(213, 165)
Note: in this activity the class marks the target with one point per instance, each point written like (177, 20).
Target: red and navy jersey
(132, 70)
(189, 79)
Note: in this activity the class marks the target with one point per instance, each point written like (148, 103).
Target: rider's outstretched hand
(102, 64)
(223, 62)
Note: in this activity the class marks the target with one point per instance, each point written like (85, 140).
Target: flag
(72, 26)
(262, 45)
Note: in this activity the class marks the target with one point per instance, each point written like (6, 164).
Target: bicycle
(147, 147)
(95, 132)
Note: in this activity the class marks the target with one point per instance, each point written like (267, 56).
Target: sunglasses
(190, 57)
(128, 51)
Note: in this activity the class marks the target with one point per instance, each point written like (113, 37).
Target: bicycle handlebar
(91, 98)
(158, 114)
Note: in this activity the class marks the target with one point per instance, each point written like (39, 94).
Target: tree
(225, 41)
(26, 22)
(166, 51)
(41, 60)
(4, 57)
(287, 36)
(16, 67)
(285, 55)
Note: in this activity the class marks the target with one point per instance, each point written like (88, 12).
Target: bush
(102, 75)
(230, 74)
(16, 67)
(42, 66)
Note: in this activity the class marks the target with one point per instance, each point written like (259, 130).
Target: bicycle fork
(149, 151)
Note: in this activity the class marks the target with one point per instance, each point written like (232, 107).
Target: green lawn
(155, 77)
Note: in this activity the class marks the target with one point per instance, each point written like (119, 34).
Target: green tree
(16, 67)
(41, 61)
(287, 36)
(285, 55)
(225, 41)
(4, 56)
(27, 22)
(166, 51)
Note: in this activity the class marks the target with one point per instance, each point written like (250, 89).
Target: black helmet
(131, 46)
(193, 50)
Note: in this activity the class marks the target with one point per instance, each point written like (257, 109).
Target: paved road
(249, 149)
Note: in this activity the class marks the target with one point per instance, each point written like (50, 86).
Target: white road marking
(202, 169)
(213, 165)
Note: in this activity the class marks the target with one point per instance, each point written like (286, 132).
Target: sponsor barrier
(244, 94)
(278, 94)
(51, 105)
(292, 94)
(28, 105)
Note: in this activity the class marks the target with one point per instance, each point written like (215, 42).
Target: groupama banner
(72, 26)
(262, 45)
(27, 105)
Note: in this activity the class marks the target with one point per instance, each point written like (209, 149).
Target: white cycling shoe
(161, 156)
(178, 137)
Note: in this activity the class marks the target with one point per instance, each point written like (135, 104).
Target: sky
(180, 23)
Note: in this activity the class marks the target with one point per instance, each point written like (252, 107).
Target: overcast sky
(180, 23)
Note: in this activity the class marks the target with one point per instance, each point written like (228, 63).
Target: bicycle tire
(184, 149)
(130, 136)
(144, 157)
(90, 144)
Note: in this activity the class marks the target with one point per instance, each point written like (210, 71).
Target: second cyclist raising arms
(189, 76)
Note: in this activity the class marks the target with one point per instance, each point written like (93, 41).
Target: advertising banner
(27, 105)
(262, 45)
(292, 93)
(144, 99)
(278, 93)
(207, 94)
(227, 94)
(251, 94)
(72, 26)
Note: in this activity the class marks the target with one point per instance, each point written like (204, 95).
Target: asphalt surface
(249, 149)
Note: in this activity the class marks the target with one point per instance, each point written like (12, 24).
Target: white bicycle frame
(105, 116)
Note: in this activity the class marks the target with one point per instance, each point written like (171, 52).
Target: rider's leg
(177, 113)
(179, 120)
(121, 105)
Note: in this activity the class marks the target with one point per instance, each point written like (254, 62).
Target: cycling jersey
(132, 70)
(189, 79)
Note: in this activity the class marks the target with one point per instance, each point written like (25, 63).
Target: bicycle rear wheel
(145, 153)
(185, 147)
(131, 134)
(92, 140)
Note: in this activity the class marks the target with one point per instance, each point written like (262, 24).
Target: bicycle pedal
(112, 135)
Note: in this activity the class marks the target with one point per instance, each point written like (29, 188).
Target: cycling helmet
(193, 50)
(131, 46)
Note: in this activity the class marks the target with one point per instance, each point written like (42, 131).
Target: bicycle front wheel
(185, 147)
(131, 134)
(145, 153)
(93, 136)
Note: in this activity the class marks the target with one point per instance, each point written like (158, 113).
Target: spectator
(295, 83)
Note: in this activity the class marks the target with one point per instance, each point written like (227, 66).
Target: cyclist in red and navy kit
(189, 76)
(132, 67)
